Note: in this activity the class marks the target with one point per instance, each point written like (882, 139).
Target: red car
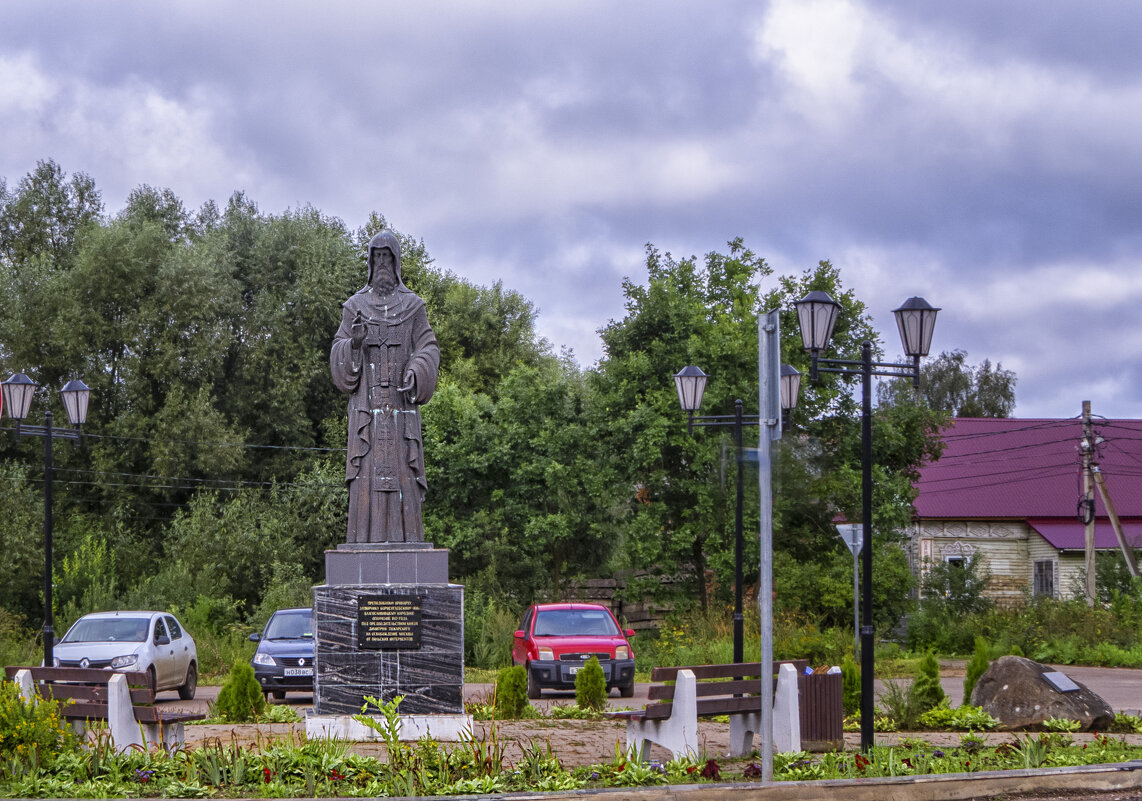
(555, 640)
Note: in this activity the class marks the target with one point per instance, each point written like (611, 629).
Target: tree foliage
(212, 477)
(214, 447)
(948, 383)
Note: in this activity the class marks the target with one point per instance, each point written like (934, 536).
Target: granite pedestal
(388, 623)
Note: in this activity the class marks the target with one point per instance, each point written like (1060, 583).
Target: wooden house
(1010, 490)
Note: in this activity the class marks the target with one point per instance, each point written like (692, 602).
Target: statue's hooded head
(385, 239)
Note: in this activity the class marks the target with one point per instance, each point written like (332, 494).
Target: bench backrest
(85, 687)
(739, 670)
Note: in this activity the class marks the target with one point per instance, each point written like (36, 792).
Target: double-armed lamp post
(17, 393)
(690, 382)
(916, 319)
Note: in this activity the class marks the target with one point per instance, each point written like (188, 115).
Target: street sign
(853, 536)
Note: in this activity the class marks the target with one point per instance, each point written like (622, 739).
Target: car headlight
(546, 653)
(263, 659)
(124, 661)
(622, 652)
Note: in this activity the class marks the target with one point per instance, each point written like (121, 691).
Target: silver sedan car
(154, 643)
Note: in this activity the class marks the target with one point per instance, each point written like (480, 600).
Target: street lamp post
(690, 382)
(17, 394)
(916, 320)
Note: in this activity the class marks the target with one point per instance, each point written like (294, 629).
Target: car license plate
(299, 671)
(573, 670)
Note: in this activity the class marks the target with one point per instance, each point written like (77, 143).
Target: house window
(956, 561)
(1045, 578)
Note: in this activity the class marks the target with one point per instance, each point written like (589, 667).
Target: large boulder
(1022, 694)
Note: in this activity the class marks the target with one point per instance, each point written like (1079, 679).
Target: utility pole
(1086, 448)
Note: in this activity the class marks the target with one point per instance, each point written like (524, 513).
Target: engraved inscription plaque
(389, 622)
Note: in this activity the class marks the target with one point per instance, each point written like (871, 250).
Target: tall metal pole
(739, 618)
(49, 633)
(866, 638)
(769, 426)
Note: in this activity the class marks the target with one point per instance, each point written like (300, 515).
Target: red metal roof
(1069, 535)
(1023, 469)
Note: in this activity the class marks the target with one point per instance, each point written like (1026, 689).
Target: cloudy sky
(983, 154)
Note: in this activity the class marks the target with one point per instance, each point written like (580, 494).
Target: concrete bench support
(786, 719)
(677, 733)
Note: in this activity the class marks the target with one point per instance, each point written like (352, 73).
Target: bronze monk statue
(386, 357)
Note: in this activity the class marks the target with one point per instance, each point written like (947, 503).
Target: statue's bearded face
(383, 266)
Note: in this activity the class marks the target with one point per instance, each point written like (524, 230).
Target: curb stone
(942, 787)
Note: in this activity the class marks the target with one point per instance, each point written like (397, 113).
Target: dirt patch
(574, 742)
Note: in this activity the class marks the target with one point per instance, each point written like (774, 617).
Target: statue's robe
(384, 467)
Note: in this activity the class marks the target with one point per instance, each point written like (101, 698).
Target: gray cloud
(980, 154)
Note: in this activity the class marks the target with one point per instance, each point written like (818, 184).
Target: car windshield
(108, 629)
(290, 626)
(574, 622)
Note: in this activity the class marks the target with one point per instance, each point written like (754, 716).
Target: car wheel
(151, 681)
(190, 686)
(533, 690)
(627, 690)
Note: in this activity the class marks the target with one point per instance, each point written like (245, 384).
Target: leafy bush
(240, 698)
(18, 644)
(823, 590)
(901, 705)
(1062, 724)
(1126, 724)
(926, 688)
(488, 627)
(976, 667)
(511, 692)
(962, 718)
(31, 733)
(850, 684)
(591, 685)
(289, 588)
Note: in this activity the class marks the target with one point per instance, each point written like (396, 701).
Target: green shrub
(1125, 723)
(511, 692)
(240, 699)
(962, 718)
(31, 733)
(900, 705)
(977, 665)
(488, 627)
(926, 688)
(591, 685)
(18, 643)
(850, 684)
(289, 588)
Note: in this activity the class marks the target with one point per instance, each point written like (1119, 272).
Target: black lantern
(18, 391)
(816, 315)
(690, 382)
(916, 319)
(790, 386)
(75, 397)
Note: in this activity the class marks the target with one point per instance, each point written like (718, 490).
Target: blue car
(284, 659)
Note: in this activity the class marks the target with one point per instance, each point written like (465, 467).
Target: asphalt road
(1119, 687)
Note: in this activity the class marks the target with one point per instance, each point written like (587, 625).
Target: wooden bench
(124, 700)
(807, 708)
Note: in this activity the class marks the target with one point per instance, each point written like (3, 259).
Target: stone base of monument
(445, 728)
(387, 623)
